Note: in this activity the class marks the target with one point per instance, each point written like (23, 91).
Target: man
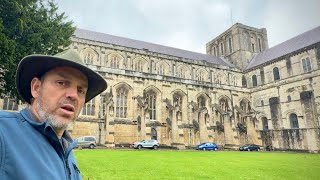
(34, 143)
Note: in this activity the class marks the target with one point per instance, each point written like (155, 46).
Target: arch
(224, 97)
(233, 79)
(276, 74)
(202, 101)
(140, 64)
(246, 40)
(213, 49)
(121, 99)
(89, 55)
(163, 68)
(202, 74)
(203, 94)
(306, 64)
(154, 134)
(179, 91)
(254, 80)
(245, 105)
(183, 71)
(294, 123)
(229, 40)
(260, 43)
(224, 103)
(244, 81)
(219, 78)
(124, 84)
(264, 122)
(114, 60)
(154, 88)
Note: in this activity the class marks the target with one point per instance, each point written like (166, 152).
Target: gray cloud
(191, 24)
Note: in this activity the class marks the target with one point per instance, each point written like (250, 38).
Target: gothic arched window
(10, 104)
(306, 65)
(265, 123)
(177, 100)
(152, 104)
(88, 58)
(244, 81)
(254, 81)
(181, 73)
(89, 108)
(200, 76)
(114, 62)
(294, 121)
(138, 66)
(201, 102)
(230, 45)
(121, 102)
(276, 74)
(161, 69)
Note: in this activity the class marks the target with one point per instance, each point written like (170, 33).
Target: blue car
(207, 146)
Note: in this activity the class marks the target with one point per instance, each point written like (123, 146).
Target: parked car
(86, 142)
(250, 147)
(152, 144)
(207, 146)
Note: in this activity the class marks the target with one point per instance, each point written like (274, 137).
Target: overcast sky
(190, 24)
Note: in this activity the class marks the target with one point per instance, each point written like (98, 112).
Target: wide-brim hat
(37, 65)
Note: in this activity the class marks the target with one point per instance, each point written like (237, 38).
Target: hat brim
(37, 65)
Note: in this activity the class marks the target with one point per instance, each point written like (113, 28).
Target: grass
(150, 164)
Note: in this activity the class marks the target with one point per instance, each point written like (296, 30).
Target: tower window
(254, 81)
(306, 65)
(252, 47)
(276, 74)
(230, 45)
(221, 48)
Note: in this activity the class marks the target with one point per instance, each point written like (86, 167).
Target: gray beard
(50, 118)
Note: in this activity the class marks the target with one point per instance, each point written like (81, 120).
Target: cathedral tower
(239, 44)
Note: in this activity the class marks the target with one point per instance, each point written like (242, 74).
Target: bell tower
(239, 44)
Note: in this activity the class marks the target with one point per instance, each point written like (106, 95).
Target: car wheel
(155, 147)
(204, 149)
(248, 149)
(139, 146)
(215, 149)
(91, 146)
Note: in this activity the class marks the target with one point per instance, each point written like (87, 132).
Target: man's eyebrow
(65, 76)
(62, 75)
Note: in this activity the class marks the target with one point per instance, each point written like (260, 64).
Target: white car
(86, 142)
(152, 144)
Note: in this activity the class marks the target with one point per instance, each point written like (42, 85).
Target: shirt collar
(43, 127)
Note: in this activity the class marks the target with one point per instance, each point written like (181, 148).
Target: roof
(131, 43)
(301, 41)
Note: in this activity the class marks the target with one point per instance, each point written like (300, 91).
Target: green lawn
(150, 164)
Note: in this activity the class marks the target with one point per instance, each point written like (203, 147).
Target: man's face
(59, 96)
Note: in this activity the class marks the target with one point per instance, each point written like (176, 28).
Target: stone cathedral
(239, 92)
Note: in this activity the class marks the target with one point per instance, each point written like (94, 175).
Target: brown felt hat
(38, 64)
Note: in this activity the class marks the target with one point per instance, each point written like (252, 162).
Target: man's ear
(35, 87)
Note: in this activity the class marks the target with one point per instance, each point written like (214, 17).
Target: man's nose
(72, 93)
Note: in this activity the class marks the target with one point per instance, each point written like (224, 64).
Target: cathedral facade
(240, 92)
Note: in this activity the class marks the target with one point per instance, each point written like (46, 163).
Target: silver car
(152, 144)
(86, 142)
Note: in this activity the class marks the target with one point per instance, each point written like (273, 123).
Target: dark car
(207, 146)
(250, 147)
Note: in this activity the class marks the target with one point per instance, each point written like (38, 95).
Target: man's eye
(81, 91)
(61, 83)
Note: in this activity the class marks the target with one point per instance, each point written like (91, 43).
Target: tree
(29, 27)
